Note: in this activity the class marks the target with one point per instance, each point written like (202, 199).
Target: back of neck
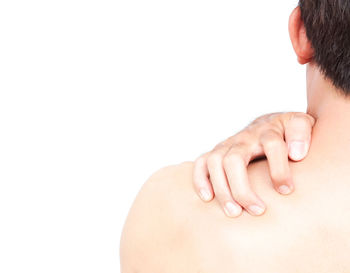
(331, 109)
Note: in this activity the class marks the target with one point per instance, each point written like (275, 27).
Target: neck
(324, 100)
(331, 109)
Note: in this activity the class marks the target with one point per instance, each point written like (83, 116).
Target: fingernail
(232, 210)
(297, 149)
(284, 189)
(204, 194)
(256, 210)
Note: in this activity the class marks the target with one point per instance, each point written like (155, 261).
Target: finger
(298, 131)
(235, 165)
(276, 152)
(201, 181)
(220, 184)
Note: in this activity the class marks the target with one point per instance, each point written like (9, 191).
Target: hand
(276, 136)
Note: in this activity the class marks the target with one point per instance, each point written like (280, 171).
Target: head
(320, 35)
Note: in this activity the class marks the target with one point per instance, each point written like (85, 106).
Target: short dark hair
(327, 24)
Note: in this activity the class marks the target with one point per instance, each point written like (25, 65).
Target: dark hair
(327, 24)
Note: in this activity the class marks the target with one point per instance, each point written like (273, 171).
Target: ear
(297, 32)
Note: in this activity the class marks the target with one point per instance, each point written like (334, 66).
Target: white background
(97, 95)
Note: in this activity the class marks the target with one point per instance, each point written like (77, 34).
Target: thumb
(298, 131)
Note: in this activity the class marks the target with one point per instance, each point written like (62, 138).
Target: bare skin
(302, 232)
(169, 229)
(307, 231)
(224, 169)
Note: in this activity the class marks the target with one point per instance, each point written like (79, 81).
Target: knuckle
(275, 118)
(263, 119)
(202, 159)
(271, 119)
(199, 160)
(232, 159)
(273, 143)
(272, 138)
(299, 117)
(221, 145)
(214, 159)
(300, 120)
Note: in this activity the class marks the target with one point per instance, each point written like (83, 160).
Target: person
(170, 230)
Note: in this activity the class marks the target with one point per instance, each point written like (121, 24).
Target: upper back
(170, 230)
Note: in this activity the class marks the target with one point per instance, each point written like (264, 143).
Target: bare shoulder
(153, 232)
(169, 229)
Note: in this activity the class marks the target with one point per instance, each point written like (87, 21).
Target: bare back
(170, 230)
